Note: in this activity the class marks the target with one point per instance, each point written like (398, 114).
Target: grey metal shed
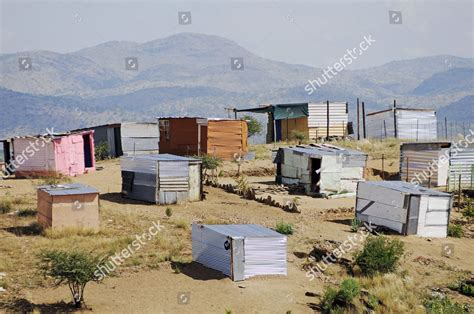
(240, 251)
(404, 207)
(161, 178)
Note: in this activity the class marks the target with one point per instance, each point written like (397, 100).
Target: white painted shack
(161, 179)
(322, 169)
(461, 167)
(403, 123)
(404, 207)
(139, 138)
(240, 251)
(425, 163)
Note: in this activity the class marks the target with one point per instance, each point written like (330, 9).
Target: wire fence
(451, 130)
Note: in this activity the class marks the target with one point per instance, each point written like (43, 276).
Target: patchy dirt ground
(149, 283)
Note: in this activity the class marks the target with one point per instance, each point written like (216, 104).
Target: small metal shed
(425, 163)
(321, 169)
(404, 207)
(403, 123)
(240, 251)
(461, 167)
(161, 178)
(68, 206)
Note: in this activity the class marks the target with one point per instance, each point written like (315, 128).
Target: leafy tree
(76, 268)
(254, 126)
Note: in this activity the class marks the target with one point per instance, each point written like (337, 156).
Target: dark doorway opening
(118, 142)
(315, 175)
(7, 158)
(88, 161)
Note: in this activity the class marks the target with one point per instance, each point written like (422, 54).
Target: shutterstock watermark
(331, 258)
(443, 160)
(340, 65)
(27, 153)
(120, 257)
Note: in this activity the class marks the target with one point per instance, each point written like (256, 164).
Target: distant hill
(461, 110)
(191, 73)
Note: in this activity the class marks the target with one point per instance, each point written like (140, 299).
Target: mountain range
(191, 74)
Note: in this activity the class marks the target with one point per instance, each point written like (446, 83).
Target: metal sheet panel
(265, 256)
(139, 138)
(461, 164)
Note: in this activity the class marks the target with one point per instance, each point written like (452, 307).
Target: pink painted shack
(69, 154)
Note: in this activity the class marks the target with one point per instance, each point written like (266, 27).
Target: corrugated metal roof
(325, 149)
(55, 135)
(162, 157)
(406, 187)
(249, 230)
(68, 189)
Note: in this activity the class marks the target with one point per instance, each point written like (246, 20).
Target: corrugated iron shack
(322, 169)
(69, 154)
(425, 163)
(314, 120)
(403, 123)
(68, 206)
(188, 136)
(404, 207)
(461, 167)
(240, 251)
(161, 179)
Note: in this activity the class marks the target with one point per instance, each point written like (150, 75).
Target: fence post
(446, 127)
(383, 167)
(460, 193)
(408, 169)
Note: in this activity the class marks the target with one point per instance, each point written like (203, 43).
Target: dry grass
(396, 294)
(181, 224)
(390, 148)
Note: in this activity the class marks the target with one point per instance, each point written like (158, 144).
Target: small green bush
(455, 231)
(373, 302)
(76, 268)
(299, 136)
(356, 224)
(284, 228)
(438, 305)
(379, 255)
(102, 151)
(464, 287)
(6, 206)
(168, 212)
(335, 300)
(468, 211)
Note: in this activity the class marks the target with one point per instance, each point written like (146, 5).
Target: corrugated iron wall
(318, 119)
(182, 139)
(462, 165)
(290, 125)
(417, 125)
(139, 138)
(227, 138)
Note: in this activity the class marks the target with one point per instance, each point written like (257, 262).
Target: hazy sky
(314, 33)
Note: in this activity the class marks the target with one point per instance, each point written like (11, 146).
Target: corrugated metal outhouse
(321, 169)
(161, 179)
(240, 251)
(425, 163)
(187, 136)
(68, 206)
(403, 123)
(69, 154)
(404, 207)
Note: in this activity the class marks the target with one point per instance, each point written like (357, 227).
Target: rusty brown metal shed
(188, 136)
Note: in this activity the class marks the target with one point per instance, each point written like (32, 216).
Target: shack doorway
(88, 163)
(315, 174)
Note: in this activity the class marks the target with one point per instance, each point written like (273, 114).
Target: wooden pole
(417, 125)
(363, 120)
(395, 126)
(446, 127)
(358, 120)
(327, 120)
(408, 169)
(383, 167)
(460, 192)
(385, 128)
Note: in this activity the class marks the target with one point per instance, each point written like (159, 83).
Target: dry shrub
(51, 233)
